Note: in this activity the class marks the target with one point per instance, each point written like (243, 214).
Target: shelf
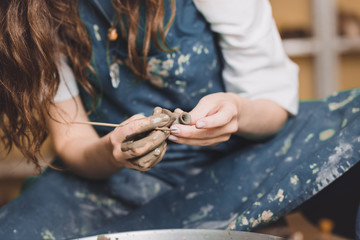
(300, 47)
(345, 45)
(303, 47)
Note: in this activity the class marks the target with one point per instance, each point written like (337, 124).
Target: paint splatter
(198, 49)
(213, 177)
(335, 106)
(310, 136)
(330, 170)
(158, 70)
(244, 199)
(156, 188)
(285, 148)
(326, 134)
(344, 122)
(294, 180)
(280, 195)
(96, 199)
(264, 217)
(203, 90)
(250, 158)
(168, 64)
(192, 195)
(180, 83)
(115, 74)
(216, 224)
(355, 110)
(203, 212)
(312, 165)
(232, 225)
(244, 221)
(96, 32)
(47, 235)
(181, 61)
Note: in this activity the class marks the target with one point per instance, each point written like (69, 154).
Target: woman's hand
(136, 145)
(85, 153)
(213, 120)
(217, 116)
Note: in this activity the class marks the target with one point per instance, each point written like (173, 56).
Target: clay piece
(153, 137)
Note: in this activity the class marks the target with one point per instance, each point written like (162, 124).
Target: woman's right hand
(87, 154)
(136, 145)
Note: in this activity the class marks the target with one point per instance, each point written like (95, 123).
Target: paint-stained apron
(250, 185)
(237, 185)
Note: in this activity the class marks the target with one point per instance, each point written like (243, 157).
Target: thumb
(200, 111)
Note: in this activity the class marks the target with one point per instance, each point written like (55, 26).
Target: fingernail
(175, 130)
(200, 124)
(173, 138)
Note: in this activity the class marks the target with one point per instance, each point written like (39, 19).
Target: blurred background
(321, 36)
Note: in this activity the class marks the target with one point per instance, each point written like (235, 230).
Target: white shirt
(256, 65)
(67, 87)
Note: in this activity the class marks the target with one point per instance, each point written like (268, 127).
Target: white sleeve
(255, 63)
(67, 87)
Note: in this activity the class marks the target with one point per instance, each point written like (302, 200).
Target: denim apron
(237, 185)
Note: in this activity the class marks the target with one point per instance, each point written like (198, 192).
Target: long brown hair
(32, 35)
(129, 11)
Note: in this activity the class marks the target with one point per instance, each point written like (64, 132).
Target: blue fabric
(338, 202)
(179, 79)
(237, 185)
(248, 186)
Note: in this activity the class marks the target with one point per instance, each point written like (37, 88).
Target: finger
(173, 116)
(162, 149)
(144, 125)
(184, 131)
(193, 133)
(147, 161)
(122, 131)
(221, 117)
(201, 142)
(178, 110)
(146, 144)
(132, 118)
(200, 111)
(157, 110)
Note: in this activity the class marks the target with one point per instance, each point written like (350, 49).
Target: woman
(222, 63)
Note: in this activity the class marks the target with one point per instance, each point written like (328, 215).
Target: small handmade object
(155, 136)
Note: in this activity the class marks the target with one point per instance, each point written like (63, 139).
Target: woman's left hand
(213, 120)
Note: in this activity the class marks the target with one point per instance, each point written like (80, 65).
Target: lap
(249, 186)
